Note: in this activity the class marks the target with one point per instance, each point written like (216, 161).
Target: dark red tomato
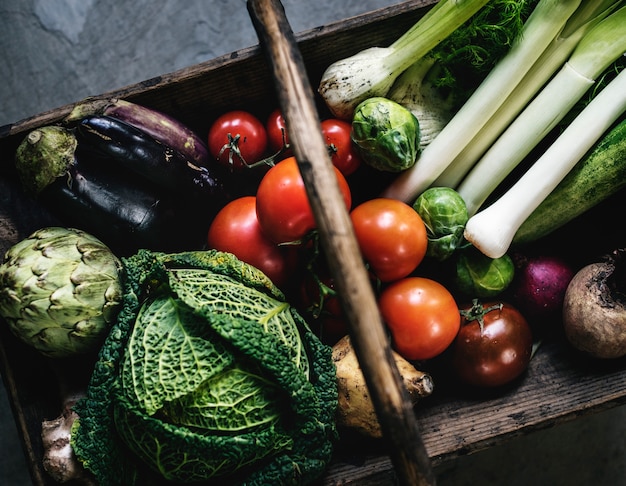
(277, 132)
(318, 295)
(343, 154)
(422, 315)
(318, 299)
(283, 206)
(237, 139)
(235, 229)
(329, 329)
(391, 235)
(496, 352)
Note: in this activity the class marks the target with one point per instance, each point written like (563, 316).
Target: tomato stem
(477, 312)
(233, 151)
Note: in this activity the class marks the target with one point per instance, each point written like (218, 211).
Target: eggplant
(164, 128)
(118, 207)
(112, 140)
(121, 212)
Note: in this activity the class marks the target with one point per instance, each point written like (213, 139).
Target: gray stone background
(55, 52)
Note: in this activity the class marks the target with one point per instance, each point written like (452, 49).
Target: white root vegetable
(356, 410)
(416, 93)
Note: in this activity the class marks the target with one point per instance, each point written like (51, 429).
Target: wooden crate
(560, 385)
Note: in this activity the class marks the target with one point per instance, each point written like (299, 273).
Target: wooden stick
(390, 398)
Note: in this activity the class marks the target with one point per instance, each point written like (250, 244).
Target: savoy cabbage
(209, 374)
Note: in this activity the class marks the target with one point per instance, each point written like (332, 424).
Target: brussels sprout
(479, 276)
(60, 291)
(386, 134)
(444, 213)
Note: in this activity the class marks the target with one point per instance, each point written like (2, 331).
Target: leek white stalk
(492, 229)
(372, 72)
(602, 45)
(542, 26)
(553, 58)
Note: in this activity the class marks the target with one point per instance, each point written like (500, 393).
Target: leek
(372, 72)
(552, 59)
(600, 48)
(492, 229)
(542, 26)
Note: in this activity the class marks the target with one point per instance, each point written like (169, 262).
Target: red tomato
(283, 206)
(235, 229)
(343, 154)
(237, 139)
(277, 132)
(319, 296)
(422, 316)
(495, 353)
(391, 235)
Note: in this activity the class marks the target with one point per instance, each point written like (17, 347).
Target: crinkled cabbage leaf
(208, 375)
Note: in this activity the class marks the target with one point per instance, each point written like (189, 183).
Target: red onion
(539, 285)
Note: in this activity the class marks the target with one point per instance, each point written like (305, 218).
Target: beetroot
(594, 309)
(538, 288)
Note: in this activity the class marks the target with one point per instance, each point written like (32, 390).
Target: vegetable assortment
(223, 278)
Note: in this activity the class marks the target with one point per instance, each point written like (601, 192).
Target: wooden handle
(392, 404)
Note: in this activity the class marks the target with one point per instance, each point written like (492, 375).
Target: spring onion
(492, 229)
(373, 71)
(600, 48)
(545, 22)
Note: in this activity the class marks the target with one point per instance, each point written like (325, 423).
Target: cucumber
(599, 175)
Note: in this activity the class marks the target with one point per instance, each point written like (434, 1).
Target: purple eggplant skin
(160, 126)
(122, 211)
(112, 140)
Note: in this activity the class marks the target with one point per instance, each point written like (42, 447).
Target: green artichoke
(60, 291)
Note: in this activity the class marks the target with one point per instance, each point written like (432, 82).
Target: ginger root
(356, 410)
(59, 460)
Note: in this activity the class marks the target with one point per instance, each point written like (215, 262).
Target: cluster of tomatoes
(274, 230)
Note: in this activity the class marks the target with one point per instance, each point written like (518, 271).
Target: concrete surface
(59, 51)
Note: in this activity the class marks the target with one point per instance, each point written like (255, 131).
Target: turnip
(594, 308)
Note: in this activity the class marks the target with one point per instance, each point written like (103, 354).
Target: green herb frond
(470, 52)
